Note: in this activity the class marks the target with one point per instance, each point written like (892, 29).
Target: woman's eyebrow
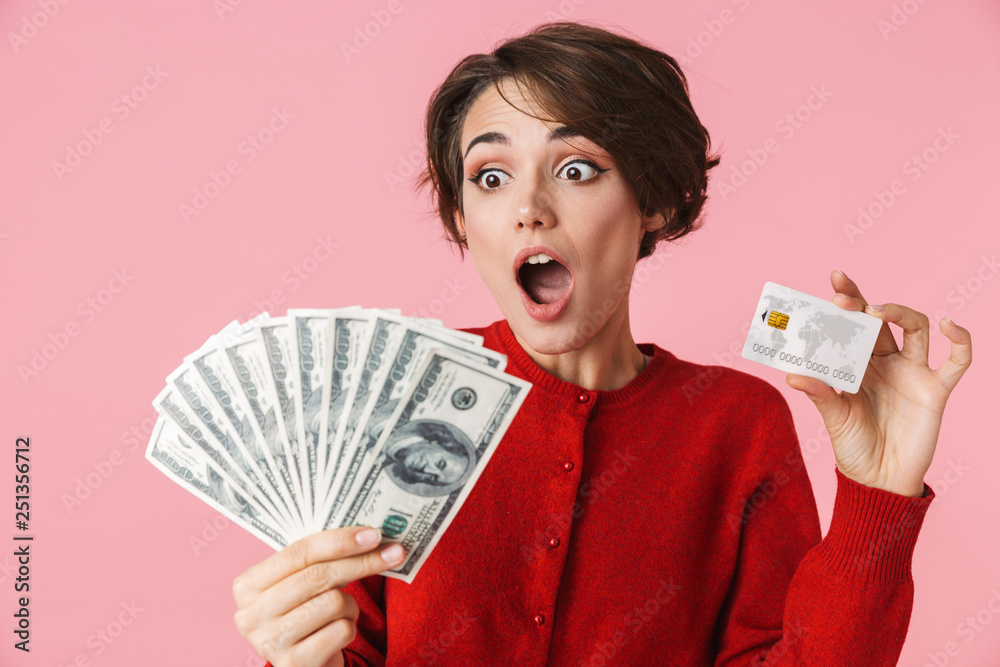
(561, 132)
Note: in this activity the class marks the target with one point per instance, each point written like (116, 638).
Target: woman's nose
(536, 205)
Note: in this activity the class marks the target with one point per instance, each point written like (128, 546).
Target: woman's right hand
(290, 607)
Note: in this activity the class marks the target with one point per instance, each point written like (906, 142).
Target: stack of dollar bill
(336, 417)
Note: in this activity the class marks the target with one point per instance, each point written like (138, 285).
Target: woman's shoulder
(722, 385)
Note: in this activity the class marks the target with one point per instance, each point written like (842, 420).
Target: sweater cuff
(349, 659)
(873, 531)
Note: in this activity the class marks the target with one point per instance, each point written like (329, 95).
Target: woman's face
(565, 198)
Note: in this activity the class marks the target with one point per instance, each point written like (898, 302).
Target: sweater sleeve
(845, 600)
(368, 647)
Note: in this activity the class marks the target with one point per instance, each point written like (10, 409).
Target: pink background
(329, 174)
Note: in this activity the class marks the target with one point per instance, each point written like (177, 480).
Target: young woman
(625, 518)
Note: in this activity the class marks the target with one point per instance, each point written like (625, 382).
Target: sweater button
(568, 466)
(554, 542)
(583, 398)
(539, 620)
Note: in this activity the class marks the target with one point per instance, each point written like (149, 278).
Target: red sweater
(668, 522)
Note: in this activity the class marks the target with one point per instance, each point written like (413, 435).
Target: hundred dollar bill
(248, 361)
(217, 376)
(380, 349)
(377, 343)
(310, 331)
(276, 340)
(350, 331)
(433, 449)
(203, 376)
(339, 352)
(188, 403)
(393, 381)
(187, 465)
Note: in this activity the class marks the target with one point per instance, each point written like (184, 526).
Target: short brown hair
(627, 97)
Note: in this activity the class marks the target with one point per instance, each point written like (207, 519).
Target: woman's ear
(459, 224)
(653, 220)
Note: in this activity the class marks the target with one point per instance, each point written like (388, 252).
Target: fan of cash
(324, 418)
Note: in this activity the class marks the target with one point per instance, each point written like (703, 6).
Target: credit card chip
(777, 320)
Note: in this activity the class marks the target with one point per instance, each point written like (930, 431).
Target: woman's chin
(550, 338)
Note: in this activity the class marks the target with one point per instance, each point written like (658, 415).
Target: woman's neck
(608, 361)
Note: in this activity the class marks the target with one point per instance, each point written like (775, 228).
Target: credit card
(803, 334)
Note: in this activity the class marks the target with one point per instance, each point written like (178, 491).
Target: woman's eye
(492, 179)
(575, 173)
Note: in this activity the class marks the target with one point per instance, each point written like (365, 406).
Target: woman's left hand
(884, 436)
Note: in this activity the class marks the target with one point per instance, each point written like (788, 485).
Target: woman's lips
(543, 312)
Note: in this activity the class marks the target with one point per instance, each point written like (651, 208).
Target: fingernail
(392, 553)
(950, 322)
(841, 272)
(368, 537)
(875, 308)
(841, 295)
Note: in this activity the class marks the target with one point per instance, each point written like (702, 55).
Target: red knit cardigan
(668, 522)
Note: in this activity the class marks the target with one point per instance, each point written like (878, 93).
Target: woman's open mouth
(545, 281)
